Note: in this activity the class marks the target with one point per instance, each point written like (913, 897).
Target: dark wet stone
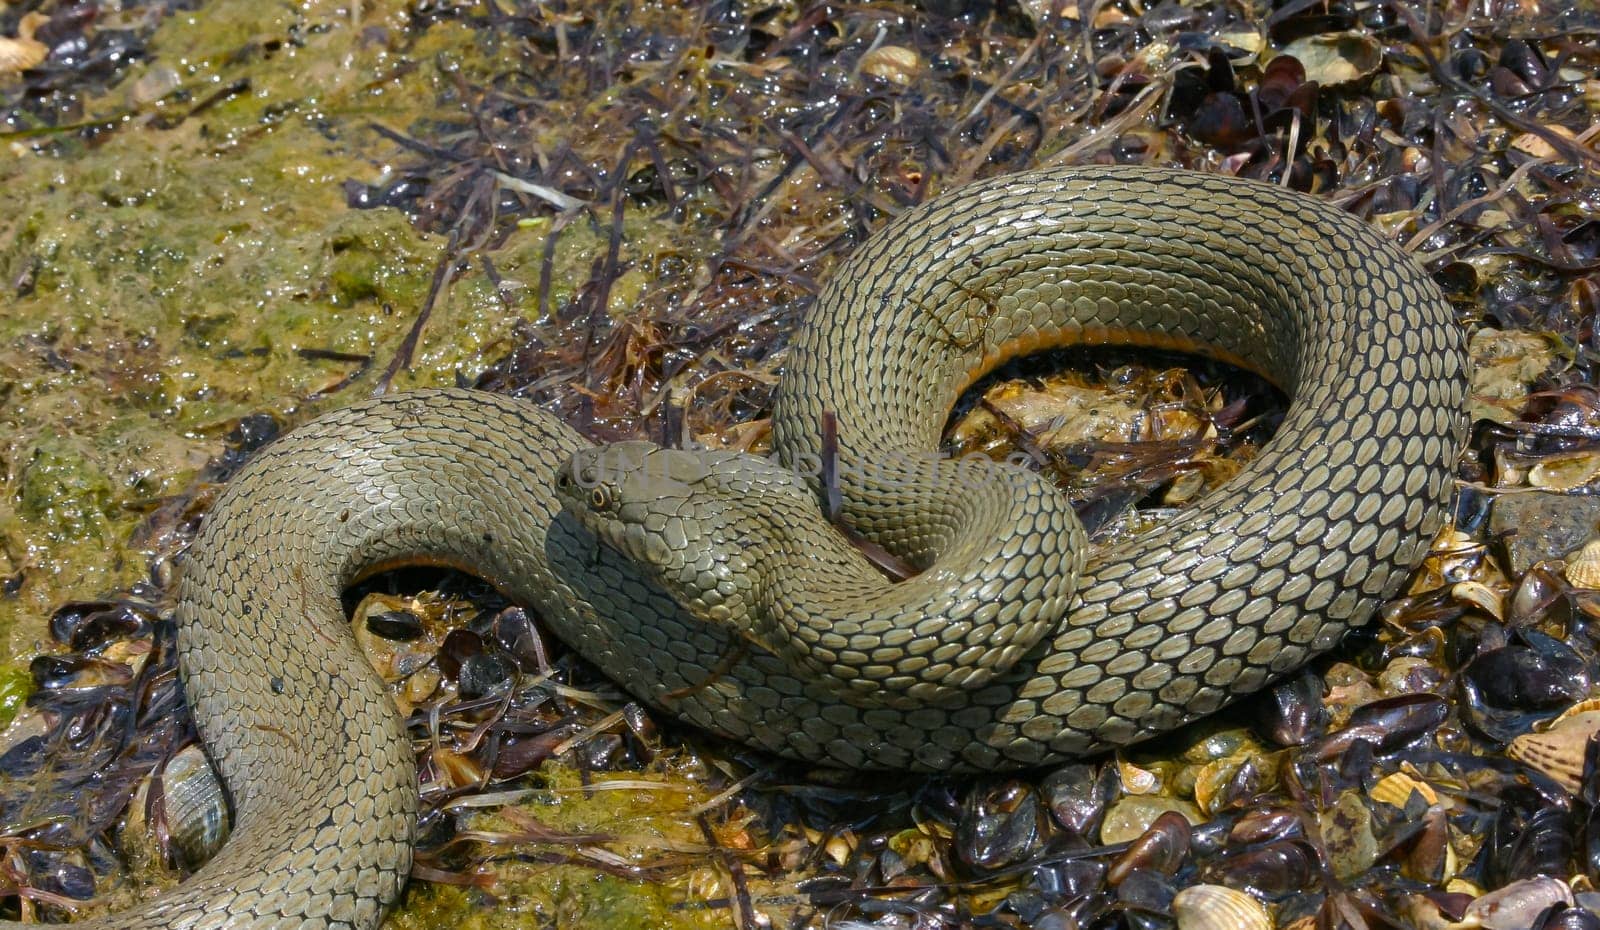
(1538, 526)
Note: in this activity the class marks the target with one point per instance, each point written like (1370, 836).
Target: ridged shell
(1583, 568)
(20, 53)
(193, 807)
(1577, 710)
(1396, 790)
(1217, 907)
(1558, 751)
(196, 807)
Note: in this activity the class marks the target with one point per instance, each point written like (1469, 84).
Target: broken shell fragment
(1482, 596)
(1517, 905)
(1564, 471)
(893, 63)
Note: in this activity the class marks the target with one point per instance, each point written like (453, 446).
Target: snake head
(700, 524)
(626, 493)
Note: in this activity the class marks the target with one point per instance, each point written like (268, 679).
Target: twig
(442, 274)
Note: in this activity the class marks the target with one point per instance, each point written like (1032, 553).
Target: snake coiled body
(1247, 585)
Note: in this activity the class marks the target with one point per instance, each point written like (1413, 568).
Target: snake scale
(1001, 654)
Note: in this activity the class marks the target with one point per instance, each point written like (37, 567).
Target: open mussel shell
(1218, 907)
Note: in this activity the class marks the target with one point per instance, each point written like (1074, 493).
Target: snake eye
(600, 498)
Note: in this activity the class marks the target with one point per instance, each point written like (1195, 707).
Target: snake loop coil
(1001, 654)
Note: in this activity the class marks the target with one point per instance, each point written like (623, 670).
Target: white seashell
(1515, 906)
(1577, 710)
(1217, 907)
(192, 806)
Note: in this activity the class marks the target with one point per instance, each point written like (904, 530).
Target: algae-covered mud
(220, 218)
(180, 273)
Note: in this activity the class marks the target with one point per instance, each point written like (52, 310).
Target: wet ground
(222, 218)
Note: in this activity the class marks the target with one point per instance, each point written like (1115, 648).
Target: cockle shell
(23, 51)
(1558, 750)
(1218, 907)
(1396, 789)
(1583, 568)
(20, 54)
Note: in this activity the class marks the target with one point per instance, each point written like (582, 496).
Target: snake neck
(741, 543)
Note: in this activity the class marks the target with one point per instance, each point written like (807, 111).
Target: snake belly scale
(1247, 585)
